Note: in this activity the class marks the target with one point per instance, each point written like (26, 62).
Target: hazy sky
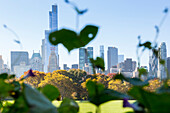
(120, 22)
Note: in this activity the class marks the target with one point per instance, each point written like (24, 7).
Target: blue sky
(120, 22)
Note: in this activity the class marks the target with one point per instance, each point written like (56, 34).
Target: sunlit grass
(109, 107)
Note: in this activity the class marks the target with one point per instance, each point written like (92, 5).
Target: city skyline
(124, 30)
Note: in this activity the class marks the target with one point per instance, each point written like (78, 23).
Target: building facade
(52, 62)
(168, 66)
(153, 66)
(120, 58)
(74, 66)
(21, 68)
(112, 57)
(36, 62)
(162, 56)
(102, 51)
(82, 57)
(89, 56)
(17, 57)
(47, 46)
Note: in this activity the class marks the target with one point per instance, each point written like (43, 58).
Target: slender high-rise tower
(112, 57)
(102, 51)
(163, 56)
(48, 47)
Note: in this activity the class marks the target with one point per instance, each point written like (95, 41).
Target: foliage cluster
(100, 88)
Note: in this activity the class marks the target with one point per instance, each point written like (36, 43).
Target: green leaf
(68, 106)
(11, 76)
(71, 40)
(163, 89)
(146, 45)
(155, 103)
(51, 92)
(98, 63)
(4, 76)
(142, 71)
(38, 102)
(80, 12)
(99, 95)
(17, 85)
(162, 61)
(20, 106)
(5, 88)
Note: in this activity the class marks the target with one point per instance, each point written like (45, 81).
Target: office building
(82, 57)
(102, 51)
(52, 62)
(17, 57)
(36, 62)
(153, 66)
(120, 58)
(162, 56)
(89, 56)
(47, 47)
(128, 65)
(112, 57)
(21, 68)
(74, 66)
(168, 66)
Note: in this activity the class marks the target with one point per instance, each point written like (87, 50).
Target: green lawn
(109, 107)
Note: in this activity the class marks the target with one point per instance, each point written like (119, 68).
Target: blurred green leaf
(4, 76)
(99, 95)
(5, 88)
(162, 61)
(99, 63)
(155, 103)
(68, 106)
(17, 85)
(146, 45)
(71, 40)
(20, 106)
(51, 92)
(11, 76)
(38, 102)
(142, 71)
(163, 89)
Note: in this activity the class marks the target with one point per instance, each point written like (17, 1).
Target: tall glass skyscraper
(102, 51)
(90, 55)
(82, 57)
(112, 57)
(153, 66)
(163, 55)
(48, 47)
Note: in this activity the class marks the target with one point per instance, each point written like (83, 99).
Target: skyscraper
(17, 57)
(1, 64)
(47, 47)
(43, 53)
(153, 66)
(128, 65)
(52, 62)
(162, 56)
(82, 57)
(36, 62)
(120, 58)
(112, 57)
(102, 51)
(168, 65)
(90, 55)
